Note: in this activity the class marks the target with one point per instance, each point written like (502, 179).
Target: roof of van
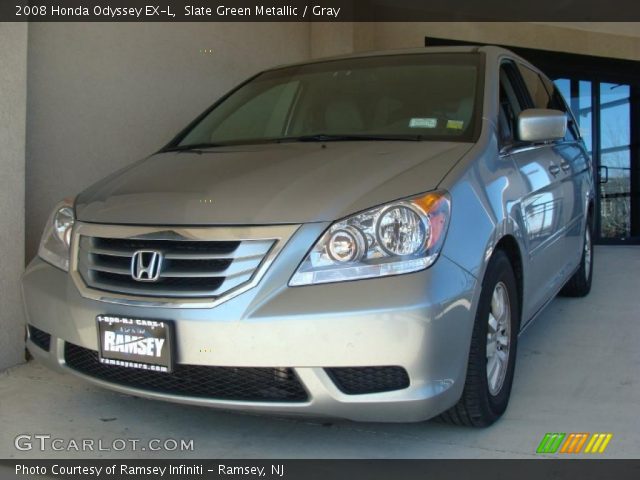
(405, 51)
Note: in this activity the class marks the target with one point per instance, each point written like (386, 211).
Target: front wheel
(493, 349)
(579, 285)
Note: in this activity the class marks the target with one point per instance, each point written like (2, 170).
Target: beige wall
(13, 93)
(631, 29)
(329, 39)
(340, 38)
(102, 95)
(601, 39)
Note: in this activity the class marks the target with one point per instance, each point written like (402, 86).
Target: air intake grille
(40, 338)
(188, 269)
(361, 380)
(222, 383)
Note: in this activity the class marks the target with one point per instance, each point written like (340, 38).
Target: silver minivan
(361, 237)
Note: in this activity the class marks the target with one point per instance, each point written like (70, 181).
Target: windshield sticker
(423, 123)
(455, 124)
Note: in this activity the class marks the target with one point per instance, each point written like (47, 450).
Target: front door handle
(554, 169)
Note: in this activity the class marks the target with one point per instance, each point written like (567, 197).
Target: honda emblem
(146, 265)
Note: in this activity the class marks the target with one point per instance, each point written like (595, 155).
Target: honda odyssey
(361, 237)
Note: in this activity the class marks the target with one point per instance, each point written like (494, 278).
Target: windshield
(394, 97)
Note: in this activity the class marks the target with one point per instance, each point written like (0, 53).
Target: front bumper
(421, 322)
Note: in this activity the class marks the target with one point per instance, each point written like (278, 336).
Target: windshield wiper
(195, 148)
(319, 137)
(324, 137)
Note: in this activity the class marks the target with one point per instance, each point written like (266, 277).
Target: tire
(483, 401)
(579, 285)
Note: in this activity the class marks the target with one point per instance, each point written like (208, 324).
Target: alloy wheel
(498, 338)
(587, 252)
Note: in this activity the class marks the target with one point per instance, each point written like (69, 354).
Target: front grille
(360, 380)
(221, 383)
(40, 338)
(190, 268)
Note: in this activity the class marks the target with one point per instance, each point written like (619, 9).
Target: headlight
(400, 237)
(56, 239)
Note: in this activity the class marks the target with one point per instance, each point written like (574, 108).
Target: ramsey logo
(115, 342)
(573, 443)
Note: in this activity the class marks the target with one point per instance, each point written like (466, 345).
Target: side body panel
(544, 215)
(496, 196)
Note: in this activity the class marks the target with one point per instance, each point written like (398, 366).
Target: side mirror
(541, 124)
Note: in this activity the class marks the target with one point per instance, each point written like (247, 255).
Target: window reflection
(542, 214)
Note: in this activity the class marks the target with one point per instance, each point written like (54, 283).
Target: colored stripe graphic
(574, 443)
(581, 443)
(598, 443)
(550, 442)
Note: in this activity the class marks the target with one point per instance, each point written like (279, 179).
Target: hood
(267, 184)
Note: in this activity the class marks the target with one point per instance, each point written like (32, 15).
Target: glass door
(615, 161)
(603, 112)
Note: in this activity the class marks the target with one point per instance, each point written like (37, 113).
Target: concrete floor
(578, 371)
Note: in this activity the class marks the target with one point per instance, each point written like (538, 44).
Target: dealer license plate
(135, 343)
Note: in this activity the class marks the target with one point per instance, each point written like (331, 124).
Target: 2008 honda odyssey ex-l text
(360, 237)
